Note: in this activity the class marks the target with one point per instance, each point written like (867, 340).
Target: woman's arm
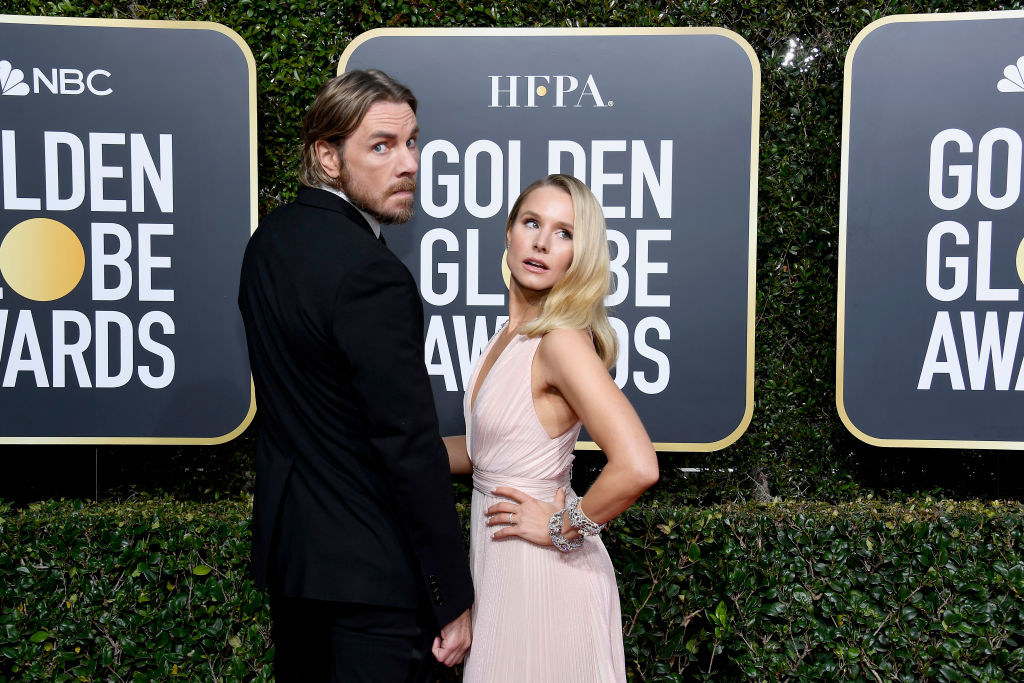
(458, 454)
(569, 363)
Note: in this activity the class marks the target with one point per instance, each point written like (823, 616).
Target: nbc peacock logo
(12, 81)
(54, 80)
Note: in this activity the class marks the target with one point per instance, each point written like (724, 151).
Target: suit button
(435, 589)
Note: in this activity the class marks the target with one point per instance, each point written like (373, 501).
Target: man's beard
(365, 199)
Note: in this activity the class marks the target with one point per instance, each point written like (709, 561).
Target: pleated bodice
(506, 441)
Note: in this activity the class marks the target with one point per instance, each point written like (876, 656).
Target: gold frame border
(253, 209)
(843, 206)
(754, 159)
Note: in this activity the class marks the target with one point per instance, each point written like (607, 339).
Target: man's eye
(380, 147)
(411, 144)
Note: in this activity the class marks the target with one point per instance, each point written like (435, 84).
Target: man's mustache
(407, 185)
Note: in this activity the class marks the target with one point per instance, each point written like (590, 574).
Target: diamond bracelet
(579, 520)
(557, 539)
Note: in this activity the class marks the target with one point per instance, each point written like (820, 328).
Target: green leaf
(201, 570)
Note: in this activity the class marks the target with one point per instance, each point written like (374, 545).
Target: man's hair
(338, 110)
(577, 300)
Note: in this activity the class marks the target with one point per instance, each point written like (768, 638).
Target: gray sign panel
(662, 125)
(932, 222)
(127, 194)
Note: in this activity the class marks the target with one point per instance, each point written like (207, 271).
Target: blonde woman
(547, 606)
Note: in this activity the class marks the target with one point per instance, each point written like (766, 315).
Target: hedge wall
(156, 589)
(795, 446)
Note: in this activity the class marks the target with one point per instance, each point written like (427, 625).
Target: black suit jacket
(353, 493)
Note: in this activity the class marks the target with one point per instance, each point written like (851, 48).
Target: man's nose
(408, 161)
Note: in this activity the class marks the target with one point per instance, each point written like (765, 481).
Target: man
(354, 525)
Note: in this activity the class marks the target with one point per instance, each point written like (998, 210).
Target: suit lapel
(322, 199)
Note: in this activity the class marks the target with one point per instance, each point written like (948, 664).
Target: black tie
(380, 238)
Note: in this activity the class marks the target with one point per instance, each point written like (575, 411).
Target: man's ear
(329, 157)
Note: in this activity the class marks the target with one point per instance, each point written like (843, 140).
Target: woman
(547, 607)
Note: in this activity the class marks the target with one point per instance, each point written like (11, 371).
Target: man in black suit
(355, 531)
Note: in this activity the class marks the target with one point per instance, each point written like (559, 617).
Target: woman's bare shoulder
(564, 340)
(565, 348)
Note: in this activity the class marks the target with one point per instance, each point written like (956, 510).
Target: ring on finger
(512, 518)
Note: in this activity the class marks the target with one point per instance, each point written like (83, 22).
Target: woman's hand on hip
(524, 516)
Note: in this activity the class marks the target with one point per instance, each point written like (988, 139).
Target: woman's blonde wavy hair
(577, 300)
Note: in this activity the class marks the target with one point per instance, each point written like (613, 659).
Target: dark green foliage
(157, 589)
(862, 591)
(144, 591)
(796, 445)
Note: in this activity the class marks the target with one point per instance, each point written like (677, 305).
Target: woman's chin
(531, 287)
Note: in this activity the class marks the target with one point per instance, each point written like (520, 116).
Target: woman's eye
(565, 234)
(530, 223)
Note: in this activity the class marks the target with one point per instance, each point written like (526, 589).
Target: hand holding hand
(527, 517)
(452, 645)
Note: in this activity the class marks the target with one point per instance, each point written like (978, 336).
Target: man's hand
(452, 645)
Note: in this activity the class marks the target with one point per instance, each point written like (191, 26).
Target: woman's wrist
(579, 519)
(569, 532)
(555, 531)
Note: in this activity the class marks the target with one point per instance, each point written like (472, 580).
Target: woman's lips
(535, 266)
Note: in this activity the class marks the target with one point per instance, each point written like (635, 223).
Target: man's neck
(374, 223)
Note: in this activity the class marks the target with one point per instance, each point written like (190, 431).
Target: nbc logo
(12, 81)
(56, 81)
(1014, 78)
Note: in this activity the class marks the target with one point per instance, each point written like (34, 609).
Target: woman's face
(540, 239)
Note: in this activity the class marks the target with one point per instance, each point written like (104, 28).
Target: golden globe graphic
(41, 259)
(122, 231)
(506, 274)
(1020, 261)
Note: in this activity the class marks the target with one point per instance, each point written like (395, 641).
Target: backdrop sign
(662, 125)
(127, 194)
(932, 233)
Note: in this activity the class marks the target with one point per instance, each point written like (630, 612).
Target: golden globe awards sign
(932, 233)
(127, 194)
(662, 125)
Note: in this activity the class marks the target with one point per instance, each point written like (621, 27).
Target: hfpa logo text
(56, 81)
(524, 91)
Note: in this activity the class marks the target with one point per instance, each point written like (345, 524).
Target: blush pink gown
(540, 614)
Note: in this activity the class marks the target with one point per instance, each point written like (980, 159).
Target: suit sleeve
(379, 326)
